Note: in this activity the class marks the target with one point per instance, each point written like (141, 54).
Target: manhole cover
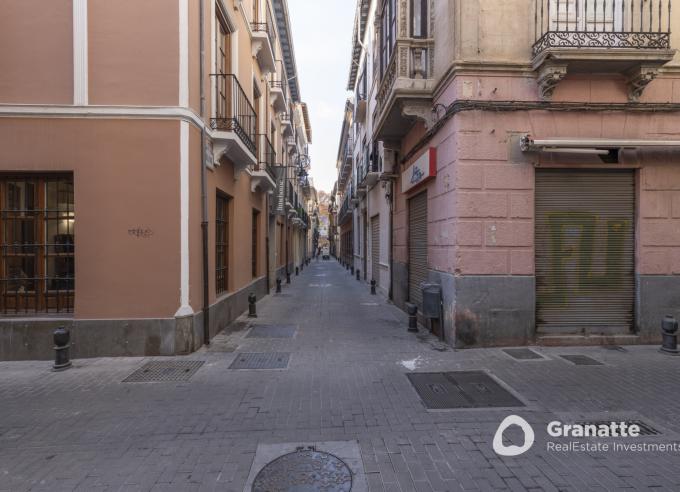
(305, 470)
(162, 371)
(272, 331)
(582, 360)
(272, 360)
(465, 389)
(523, 354)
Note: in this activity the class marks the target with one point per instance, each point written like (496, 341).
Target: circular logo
(501, 449)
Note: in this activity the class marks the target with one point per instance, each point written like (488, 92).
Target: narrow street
(345, 384)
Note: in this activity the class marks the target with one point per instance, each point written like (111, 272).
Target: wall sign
(424, 168)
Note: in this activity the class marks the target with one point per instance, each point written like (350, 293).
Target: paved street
(86, 430)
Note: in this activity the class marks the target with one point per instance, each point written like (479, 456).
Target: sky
(322, 36)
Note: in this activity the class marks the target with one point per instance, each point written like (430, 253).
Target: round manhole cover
(304, 471)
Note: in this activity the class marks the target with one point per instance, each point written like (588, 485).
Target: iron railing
(266, 156)
(266, 25)
(280, 79)
(631, 24)
(234, 112)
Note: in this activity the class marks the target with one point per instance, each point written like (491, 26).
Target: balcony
(361, 107)
(626, 37)
(345, 212)
(279, 88)
(263, 41)
(234, 124)
(369, 173)
(286, 123)
(346, 163)
(405, 91)
(262, 175)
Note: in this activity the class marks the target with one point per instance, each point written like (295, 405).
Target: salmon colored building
(534, 150)
(171, 137)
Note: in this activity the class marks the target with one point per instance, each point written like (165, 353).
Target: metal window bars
(266, 25)
(234, 111)
(266, 156)
(631, 24)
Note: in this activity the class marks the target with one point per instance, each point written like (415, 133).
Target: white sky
(322, 35)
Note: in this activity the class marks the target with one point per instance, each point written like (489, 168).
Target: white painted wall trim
(185, 308)
(184, 53)
(80, 54)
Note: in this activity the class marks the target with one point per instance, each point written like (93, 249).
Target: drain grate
(272, 360)
(645, 428)
(305, 469)
(465, 389)
(272, 331)
(523, 354)
(163, 371)
(614, 348)
(582, 360)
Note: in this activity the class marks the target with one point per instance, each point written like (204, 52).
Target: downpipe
(204, 182)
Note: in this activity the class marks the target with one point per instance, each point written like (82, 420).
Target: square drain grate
(523, 354)
(163, 371)
(645, 429)
(465, 389)
(273, 360)
(272, 331)
(582, 360)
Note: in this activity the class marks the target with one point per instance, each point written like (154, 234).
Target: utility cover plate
(304, 470)
(582, 360)
(272, 331)
(163, 371)
(463, 389)
(271, 360)
(523, 354)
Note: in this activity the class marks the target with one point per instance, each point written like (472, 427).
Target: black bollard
(252, 310)
(358, 274)
(669, 333)
(412, 311)
(287, 277)
(62, 349)
(373, 287)
(278, 285)
(297, 271)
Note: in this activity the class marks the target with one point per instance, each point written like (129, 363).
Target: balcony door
(586, 15)
(222, 66)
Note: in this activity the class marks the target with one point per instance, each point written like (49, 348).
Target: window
(222, 65)
(256, 221)
(37, 264)
(222, 244)
(388, 34)
(419, 18)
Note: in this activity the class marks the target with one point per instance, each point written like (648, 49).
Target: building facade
(533, 146)
(173, 140)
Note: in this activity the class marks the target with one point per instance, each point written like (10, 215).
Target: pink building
(536, 150)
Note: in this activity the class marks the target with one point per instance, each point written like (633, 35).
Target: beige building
(172, 140)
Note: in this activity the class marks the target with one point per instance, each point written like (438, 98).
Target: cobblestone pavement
(86, 430)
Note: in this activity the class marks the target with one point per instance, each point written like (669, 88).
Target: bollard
(412, 311)
(297, 271)
(669, 333)
(278, 285)
(373, 287)
(302, 266)
(62, 348)
(287, 277)
(252, 310)
(358, 274)
(351, 269)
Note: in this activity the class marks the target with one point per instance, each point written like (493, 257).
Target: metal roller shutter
(375, 248)
(417, 246)
(585, 251)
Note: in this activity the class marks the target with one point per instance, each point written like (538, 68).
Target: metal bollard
(297, 271)
(669, 333)
(252, 310)
(278, 285)
(412, 311)
(287, 277)
(373, 287)
(302, 266)
(62, 349)
(358, 274)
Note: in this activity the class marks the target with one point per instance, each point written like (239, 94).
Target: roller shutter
(417, 246)
(375, 248)
(585, 251)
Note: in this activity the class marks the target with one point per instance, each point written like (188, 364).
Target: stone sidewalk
(86, 430)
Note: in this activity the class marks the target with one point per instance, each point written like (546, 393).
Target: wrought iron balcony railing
(265, 24)
(615, 24)
(280, 79)
(233, 111)
(266, 156)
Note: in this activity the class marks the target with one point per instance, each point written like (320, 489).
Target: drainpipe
(266, 208)
(204, 182)
(389, 249)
